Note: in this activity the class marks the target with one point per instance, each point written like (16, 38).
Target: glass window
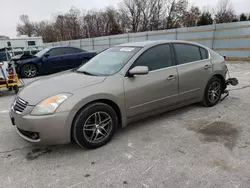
(42, 52)
(187, 53)
(72, 50)
(31, 43)
(157, 57)
(57, 52)
(204, 53)
(4, 56)
(109, 61)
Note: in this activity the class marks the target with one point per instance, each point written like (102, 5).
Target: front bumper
(45, 130)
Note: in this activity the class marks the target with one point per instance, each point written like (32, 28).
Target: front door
(156, 90)
(56, 61)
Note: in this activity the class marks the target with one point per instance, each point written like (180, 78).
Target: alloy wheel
(29, 71)
(214, 92)
(97, 127)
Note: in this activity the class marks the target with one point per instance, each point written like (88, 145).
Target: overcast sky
(45, 9)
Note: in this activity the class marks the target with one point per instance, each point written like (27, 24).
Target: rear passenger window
(204, 53)
(157, 57)
(187, 53)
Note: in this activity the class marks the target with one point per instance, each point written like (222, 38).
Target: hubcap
(214, 92)
(30, 71)
(97, 127)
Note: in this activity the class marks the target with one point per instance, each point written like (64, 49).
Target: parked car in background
(51, 60)
(122, 84)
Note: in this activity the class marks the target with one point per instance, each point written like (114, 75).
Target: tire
(28, 71)
(16, 89)
(213, 92)
(88, 131)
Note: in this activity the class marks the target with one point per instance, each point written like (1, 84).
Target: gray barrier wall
(231, 39)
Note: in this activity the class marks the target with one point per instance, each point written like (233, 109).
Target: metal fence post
(214, 30)
(176, 33)
(69, 43)
(109, 41)
(80, 43)
(93, 44)
(147, 36)
(128, 37)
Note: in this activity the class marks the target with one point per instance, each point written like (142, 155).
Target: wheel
(95, 125)
(28, 71)
(16, 89)
(213, 92)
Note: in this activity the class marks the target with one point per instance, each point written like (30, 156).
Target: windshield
(41, 53)
(109, 62)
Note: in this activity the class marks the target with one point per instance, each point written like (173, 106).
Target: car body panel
(140, 91)
(136, 97)
(191, 73)
(64, 82)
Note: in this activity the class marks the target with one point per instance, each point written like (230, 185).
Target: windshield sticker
(126, 49)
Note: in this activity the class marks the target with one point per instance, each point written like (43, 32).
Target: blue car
(52, 60)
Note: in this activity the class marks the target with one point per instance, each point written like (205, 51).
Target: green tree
(243, 17)
(205, 19)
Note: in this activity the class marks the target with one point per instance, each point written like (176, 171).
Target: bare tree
(191, 17)
(133, 10)
(225, 12)
(26, 28)
(175, 11)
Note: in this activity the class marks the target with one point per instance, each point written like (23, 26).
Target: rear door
(157, 89)
(194, 68)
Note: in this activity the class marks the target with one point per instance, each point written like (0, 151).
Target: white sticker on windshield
(126, 49)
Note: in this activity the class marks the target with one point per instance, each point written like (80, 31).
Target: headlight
(49, 105)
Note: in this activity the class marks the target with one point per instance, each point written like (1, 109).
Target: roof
(154, 42)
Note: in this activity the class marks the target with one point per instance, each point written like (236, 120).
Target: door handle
(171, 77)
(207, 66)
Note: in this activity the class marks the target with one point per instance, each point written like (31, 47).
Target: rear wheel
(213, 92)
(95, 125)
(16, 89)
(28, 71)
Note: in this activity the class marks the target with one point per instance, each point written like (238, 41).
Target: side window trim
(175, 54)
(171, 52)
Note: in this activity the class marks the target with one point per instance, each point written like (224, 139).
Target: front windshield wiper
(85, 72)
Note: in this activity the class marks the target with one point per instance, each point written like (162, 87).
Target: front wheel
(213, 92)
(95, 125)
(28, 71)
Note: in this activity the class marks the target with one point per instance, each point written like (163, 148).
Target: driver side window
(157, 57)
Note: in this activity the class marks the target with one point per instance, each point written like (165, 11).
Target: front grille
(19, 105)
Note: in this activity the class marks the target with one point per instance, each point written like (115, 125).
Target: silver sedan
(122, 84)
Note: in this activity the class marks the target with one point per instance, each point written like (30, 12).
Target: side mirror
(139, 70)
(46, 55)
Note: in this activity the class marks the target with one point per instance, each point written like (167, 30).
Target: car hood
(28, 60)
(66, 82)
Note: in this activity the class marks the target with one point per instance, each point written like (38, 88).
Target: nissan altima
(121, 84)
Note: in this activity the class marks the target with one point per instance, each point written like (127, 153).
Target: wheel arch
(32, 63)
(223, 81)
(109, 102)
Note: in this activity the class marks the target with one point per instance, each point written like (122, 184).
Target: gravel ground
(189, 147)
